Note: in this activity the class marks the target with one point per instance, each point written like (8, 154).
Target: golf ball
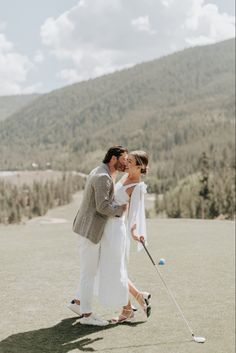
(162, 262)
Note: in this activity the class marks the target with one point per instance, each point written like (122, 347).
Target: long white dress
(112, 277)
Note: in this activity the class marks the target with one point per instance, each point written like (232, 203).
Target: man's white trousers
(89, 257)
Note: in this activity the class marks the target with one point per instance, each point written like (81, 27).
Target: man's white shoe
(74, 307)
(93, 320)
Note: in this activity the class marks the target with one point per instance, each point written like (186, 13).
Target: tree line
(207, 194)
(18, 203)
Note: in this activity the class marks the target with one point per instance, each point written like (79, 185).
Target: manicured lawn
(39, 274)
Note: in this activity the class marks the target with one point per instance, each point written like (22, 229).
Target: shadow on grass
(61, 338)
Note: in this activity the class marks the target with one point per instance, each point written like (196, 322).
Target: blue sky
(49, 44)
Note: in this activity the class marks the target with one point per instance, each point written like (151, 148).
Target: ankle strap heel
(124, 318)
(145, 305)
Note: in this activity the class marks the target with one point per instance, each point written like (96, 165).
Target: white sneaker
(74, 307)
(93, 320)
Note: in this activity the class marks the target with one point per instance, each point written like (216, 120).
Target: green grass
(39, 271)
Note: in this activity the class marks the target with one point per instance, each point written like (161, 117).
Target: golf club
(195, 338)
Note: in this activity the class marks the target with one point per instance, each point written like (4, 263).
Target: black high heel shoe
(145, 305)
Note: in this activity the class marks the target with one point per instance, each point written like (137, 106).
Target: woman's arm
(134, 236)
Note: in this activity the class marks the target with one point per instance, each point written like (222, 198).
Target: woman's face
(132, 164)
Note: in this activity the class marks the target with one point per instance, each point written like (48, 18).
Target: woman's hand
(134, 236)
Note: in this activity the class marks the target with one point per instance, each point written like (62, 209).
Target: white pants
(89, 258)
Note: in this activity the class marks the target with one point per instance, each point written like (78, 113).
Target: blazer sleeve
(136, 213)
(104, 198)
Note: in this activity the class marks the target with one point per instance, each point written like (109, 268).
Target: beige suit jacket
(97, 205)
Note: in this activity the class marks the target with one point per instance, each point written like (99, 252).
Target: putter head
(199, 339)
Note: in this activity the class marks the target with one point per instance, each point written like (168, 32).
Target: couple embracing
(110, 212)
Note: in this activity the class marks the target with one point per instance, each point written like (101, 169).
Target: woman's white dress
(112, 277)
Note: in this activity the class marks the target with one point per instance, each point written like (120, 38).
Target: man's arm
(104, 205)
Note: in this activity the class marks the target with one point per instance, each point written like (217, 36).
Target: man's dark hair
(116, 151)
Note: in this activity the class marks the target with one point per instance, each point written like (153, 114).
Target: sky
(49, 44)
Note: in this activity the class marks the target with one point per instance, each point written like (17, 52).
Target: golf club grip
(147, 252)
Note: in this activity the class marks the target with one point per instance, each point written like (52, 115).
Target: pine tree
(204, 191)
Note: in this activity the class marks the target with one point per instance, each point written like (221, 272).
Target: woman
(113, 285)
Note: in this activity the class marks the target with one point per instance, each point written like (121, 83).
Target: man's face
(121, 162)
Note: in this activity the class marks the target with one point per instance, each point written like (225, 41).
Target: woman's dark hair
(141, 158)
(116, 151)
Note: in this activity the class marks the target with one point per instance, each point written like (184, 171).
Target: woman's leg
(141, 297)
(127, 314)
(136, 294)
(132, 289)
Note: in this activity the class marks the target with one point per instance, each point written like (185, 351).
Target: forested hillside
(11, 104)
(176, 108)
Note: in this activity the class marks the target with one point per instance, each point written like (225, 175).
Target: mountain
(11, 104)
(175, 107)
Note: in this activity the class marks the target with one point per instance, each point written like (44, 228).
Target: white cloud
(97, 37)
(166, 3)
(14, 68)
(5, 45)
(69, 75)
(207, 25)
(54, 32)
(142, 24)
(38, 57)
(37, 87)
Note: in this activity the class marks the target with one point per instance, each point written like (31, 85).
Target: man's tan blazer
(97, 205)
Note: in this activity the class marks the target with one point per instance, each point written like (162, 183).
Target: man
(97, 205)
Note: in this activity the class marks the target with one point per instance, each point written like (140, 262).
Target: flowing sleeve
(136, 213)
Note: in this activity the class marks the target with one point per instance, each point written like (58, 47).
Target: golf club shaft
(168, 290)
